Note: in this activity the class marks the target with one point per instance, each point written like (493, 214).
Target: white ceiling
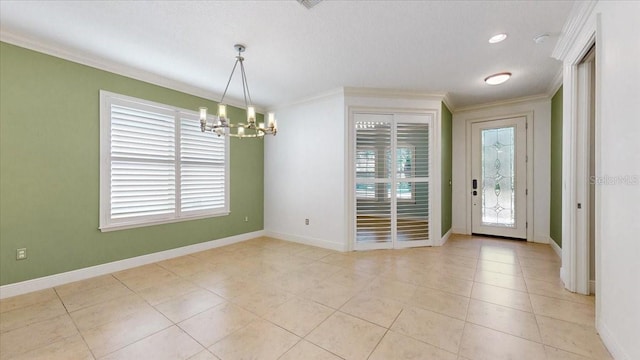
(294, 53)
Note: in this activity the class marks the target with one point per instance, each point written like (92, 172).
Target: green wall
(555, 228)
(49, 170)
(447, 163)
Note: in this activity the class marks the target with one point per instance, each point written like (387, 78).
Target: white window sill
(133, 225)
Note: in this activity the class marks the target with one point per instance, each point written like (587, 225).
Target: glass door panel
(413, 214)
(411, 165)
(373, 208)
(498, 177)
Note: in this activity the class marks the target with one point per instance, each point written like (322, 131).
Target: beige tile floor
(474, 298)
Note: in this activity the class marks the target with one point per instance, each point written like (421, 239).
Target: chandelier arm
(229, 81)
(244, 86)
(245, 83)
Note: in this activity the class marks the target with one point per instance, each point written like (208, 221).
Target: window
(157, 166)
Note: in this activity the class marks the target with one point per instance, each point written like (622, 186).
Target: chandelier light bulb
(222, 110)
(251, 114)
(272, 120)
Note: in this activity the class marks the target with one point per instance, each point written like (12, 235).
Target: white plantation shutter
(157, 166)
(392, 164)
(373, 213)
(202, 168)
(142, 162)
(413, 216)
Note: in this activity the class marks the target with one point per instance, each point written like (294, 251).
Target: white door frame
(530, 178)
(435, 197)
(575, 247)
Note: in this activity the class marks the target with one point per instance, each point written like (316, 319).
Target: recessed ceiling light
(497, 38)
(497, 79)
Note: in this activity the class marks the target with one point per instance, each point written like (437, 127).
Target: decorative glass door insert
(498, 177)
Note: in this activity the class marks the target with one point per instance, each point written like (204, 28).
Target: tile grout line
(84, 341)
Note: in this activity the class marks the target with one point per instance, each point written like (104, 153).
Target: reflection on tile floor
(474, 298)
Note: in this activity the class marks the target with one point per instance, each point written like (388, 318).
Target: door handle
(475, 192)
(474, 184)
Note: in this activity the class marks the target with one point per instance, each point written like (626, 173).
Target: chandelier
(220, 124)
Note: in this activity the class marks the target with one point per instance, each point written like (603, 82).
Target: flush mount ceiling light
(309, 3)
(220, 124)
(539, 39)
(497, 79)
(497, 38)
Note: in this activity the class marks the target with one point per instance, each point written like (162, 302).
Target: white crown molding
(392, 93)
(525, 99)
(555, 83)
(327, 94)
(370, 92)
(449, 102)
(577, 19)
(115, 67)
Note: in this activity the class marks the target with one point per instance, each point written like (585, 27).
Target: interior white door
(392, 166)
(499, 177)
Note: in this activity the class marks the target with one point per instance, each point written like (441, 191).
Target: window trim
(105, 222)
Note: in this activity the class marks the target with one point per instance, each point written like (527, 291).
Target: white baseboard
(563, 276)
(609, 341)
(46, 282)
(541, 240)
(445, 237)
(556, 248)
(307, 241)
(459, 231)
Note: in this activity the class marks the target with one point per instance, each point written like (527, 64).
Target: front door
(499, 177)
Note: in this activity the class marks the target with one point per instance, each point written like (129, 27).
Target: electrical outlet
(21, 254)
(306, 221)
(246, 219)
